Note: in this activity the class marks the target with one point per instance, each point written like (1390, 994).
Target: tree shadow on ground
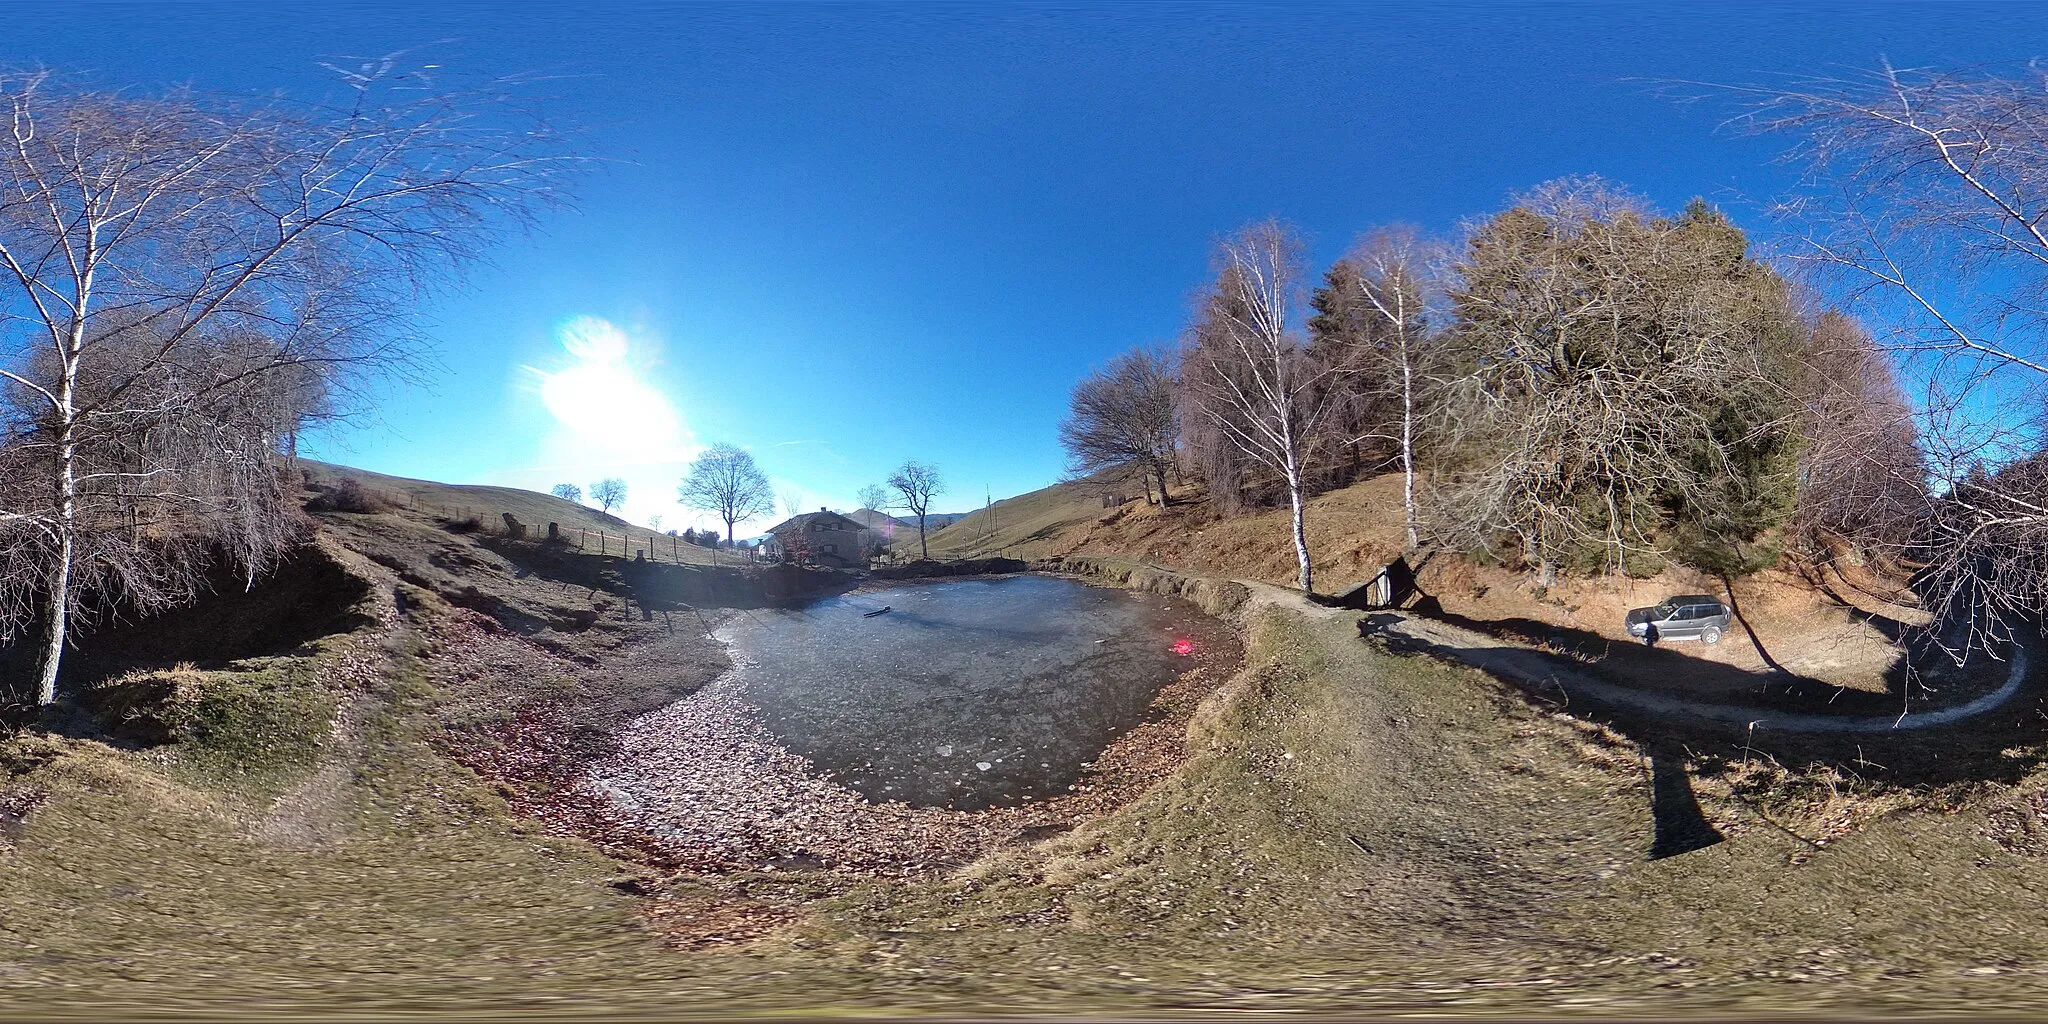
(1924, 659)
(2001, 746)
(1675, 816)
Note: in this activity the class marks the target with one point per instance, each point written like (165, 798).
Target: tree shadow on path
(1680, 825)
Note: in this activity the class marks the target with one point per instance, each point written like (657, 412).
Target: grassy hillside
(1030, 525)
(1354, 831)
(348, 811)
(376, 809)
(581, 523)
(1352, 530)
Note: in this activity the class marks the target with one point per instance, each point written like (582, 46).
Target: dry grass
(1352, 531)
(1353, 832)
(1365, 833)
(469, 507)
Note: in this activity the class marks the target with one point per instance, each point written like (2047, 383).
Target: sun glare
(601, 396)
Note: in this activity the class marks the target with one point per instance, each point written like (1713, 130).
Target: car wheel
(1712, 634)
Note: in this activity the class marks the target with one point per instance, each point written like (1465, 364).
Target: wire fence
(620, 543)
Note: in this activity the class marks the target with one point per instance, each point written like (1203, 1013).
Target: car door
(1715, 614)
(1684, 623)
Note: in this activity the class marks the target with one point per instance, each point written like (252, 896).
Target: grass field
(580, 523)
(1356, 831)
(1353, 831)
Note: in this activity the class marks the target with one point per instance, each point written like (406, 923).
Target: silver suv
(1687, 617)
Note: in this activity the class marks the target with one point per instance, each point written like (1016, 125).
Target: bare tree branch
(725, 481)
(187, 284)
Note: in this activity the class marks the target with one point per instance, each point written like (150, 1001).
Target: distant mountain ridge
(873, 519)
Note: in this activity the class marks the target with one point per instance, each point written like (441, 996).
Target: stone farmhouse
(823, 537)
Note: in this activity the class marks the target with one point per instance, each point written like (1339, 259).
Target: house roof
(830, 520)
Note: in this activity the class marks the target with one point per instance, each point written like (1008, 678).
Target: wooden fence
(655, 547)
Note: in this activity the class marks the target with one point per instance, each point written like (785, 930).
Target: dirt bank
(1219, 597)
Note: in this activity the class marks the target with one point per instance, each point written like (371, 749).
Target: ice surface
(968, 693)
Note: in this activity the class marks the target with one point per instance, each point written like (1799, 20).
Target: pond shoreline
(704, 789)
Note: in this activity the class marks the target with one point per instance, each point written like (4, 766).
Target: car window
(1665, 608)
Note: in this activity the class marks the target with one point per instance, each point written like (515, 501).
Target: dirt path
(1546, 672)
(1543, 671)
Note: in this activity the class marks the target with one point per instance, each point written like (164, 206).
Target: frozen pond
(968, 693)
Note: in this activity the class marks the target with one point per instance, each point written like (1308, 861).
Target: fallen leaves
(701, 788)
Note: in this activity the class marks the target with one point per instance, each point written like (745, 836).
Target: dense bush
(350, 495)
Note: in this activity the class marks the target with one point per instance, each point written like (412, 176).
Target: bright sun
(601, 398)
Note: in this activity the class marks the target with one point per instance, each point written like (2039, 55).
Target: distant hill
(1036, 523)
(874, 520)
(536, 510)
(902, 530)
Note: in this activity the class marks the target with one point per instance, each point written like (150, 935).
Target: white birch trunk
(1408, 444)
(1306, 576)
(57, 619)
(57, 622)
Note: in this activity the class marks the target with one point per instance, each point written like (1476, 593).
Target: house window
(829, 548)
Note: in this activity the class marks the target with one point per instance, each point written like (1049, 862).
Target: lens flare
(602, 398)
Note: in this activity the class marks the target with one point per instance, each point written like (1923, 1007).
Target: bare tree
(609, 493)
(916, 484)
(179, 256)
(567, 492)
(791, 501)
(1373, 323)
(1246, 373)
(1926, 205)
(1123, 415)
(874, 496)
(1862, 477)
(725, 482)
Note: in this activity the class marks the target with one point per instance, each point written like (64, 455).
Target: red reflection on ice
(1183, 647)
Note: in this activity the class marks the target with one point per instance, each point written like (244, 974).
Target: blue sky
(969, 206)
